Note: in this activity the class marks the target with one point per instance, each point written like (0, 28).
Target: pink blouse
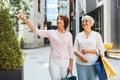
(61, 43)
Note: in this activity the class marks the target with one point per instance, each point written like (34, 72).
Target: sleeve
(70, 46)
(100, 45)
(43, 33)
(76, 46)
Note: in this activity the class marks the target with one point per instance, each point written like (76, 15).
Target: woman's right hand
(82, 57)
(22, 17)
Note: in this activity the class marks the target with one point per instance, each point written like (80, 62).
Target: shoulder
(96, 33)
(51, 30)
(80, 34)
(68, 33)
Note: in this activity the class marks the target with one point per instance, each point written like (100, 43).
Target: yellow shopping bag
(108, 68)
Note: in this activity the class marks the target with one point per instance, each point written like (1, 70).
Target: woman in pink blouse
(61, 55)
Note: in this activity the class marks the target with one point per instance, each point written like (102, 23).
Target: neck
(61, 30)
(87, 32)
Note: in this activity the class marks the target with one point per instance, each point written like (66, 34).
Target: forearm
(78, 54)
(91, 51)
(81, 56)
(71, 62)
(22, 17)
(30, 25)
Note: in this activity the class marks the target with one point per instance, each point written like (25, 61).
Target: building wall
(115, 23)
(111, 17)
(30, 38)
(90, 5)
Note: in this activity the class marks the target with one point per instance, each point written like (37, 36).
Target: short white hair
(87, 17)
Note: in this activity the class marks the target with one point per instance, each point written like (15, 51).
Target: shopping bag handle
(71, 74)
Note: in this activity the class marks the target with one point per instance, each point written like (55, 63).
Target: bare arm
(82, 57)
(70, 68)
(92, 51)
(23, 18)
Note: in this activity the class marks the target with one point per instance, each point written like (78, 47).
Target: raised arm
(24, 19)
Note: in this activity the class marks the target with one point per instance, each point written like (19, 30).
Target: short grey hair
(87, 17)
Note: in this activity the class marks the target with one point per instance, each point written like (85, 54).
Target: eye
(86, 21)
(59, 18)
(83, 21)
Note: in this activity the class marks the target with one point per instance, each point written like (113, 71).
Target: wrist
(81, 55)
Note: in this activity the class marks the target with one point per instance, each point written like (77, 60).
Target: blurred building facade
(43, 14)
(107, 18)
(37, 18)
(105, 12)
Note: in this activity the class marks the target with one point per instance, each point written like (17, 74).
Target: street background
(37, 61)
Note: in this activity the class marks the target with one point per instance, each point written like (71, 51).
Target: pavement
(36, 62)
(113, 53)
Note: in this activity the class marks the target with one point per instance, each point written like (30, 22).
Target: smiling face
(86, 24)
(60, 22)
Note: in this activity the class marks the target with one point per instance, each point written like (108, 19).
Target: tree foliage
(16, 6)
(11, 56)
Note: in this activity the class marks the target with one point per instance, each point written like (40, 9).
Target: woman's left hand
(91, 51)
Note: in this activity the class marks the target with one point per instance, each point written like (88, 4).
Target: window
(118, 3)
(39, 28)
(39, 5)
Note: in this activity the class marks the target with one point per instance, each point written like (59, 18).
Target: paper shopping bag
(110, 72)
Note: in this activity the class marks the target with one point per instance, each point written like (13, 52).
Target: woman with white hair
(86, 46)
